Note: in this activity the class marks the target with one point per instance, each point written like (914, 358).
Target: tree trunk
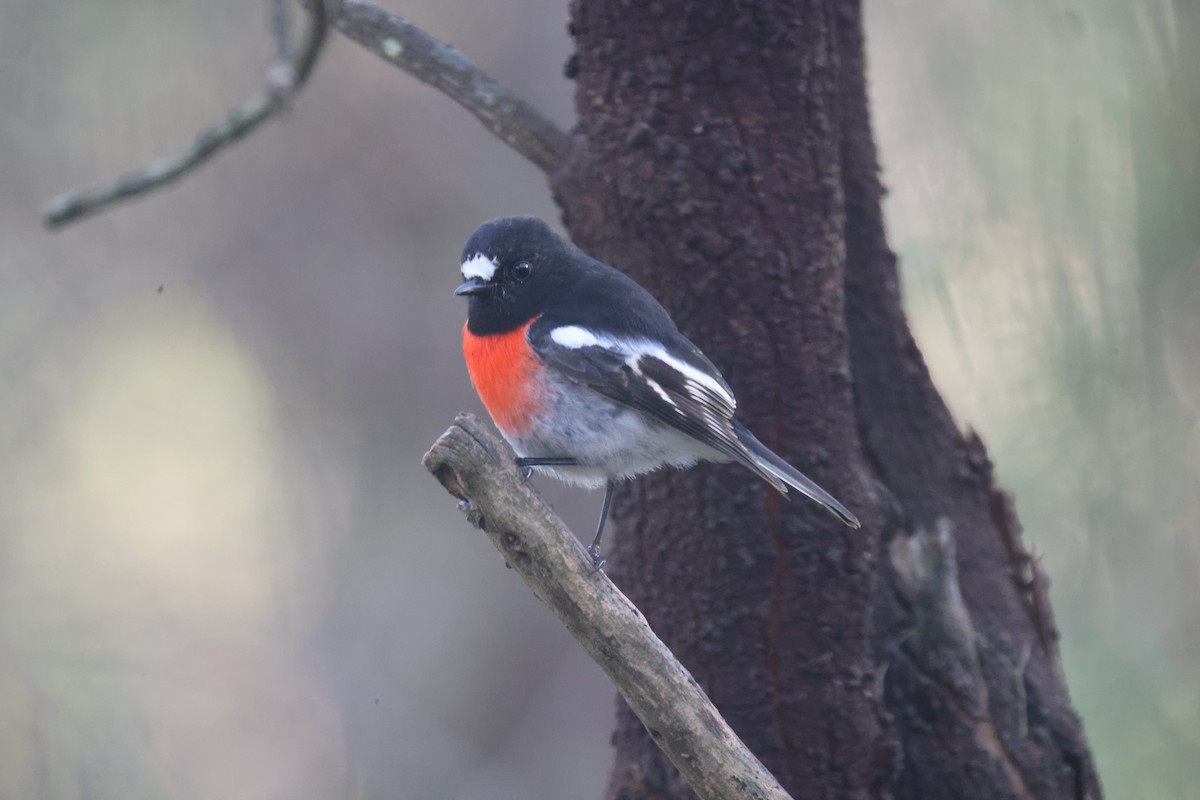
(730, 169)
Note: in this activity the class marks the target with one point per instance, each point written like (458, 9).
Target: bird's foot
(527, 463)
(598, 561)
(474, 515)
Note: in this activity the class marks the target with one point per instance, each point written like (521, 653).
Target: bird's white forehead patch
(479, 266)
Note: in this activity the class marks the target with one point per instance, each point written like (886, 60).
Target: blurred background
(223, 571)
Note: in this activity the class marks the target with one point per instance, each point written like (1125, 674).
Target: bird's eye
(521, 270)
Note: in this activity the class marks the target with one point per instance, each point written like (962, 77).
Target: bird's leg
(529, 463)
(593, 549)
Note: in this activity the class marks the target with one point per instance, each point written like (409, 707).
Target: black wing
(641, 374)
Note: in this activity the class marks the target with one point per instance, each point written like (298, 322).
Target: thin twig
(280, 19)
(436, 63)
(284, 80)
(475, 466)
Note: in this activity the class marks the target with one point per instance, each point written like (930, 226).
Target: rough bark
(729, 167)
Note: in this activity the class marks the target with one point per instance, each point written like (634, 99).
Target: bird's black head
(513, 267)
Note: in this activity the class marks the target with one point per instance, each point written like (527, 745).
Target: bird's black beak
(473, 286)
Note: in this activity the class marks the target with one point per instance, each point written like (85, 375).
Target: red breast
(503, 369)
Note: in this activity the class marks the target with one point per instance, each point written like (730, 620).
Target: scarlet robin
(586, 375)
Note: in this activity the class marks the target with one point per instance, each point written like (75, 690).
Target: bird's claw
(598, 561)
(527, 473)
(474, 515)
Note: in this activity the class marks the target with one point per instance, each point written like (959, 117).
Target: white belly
(607, 439)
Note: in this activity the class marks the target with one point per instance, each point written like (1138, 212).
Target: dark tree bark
(729, 167)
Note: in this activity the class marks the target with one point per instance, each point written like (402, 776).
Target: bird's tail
(777, 471)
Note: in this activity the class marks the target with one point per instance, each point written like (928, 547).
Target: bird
(587, 376)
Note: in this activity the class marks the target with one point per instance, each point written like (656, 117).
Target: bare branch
(392, 38)
(475, 466)
(284, 80)
(280, 19)
(436, 63)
